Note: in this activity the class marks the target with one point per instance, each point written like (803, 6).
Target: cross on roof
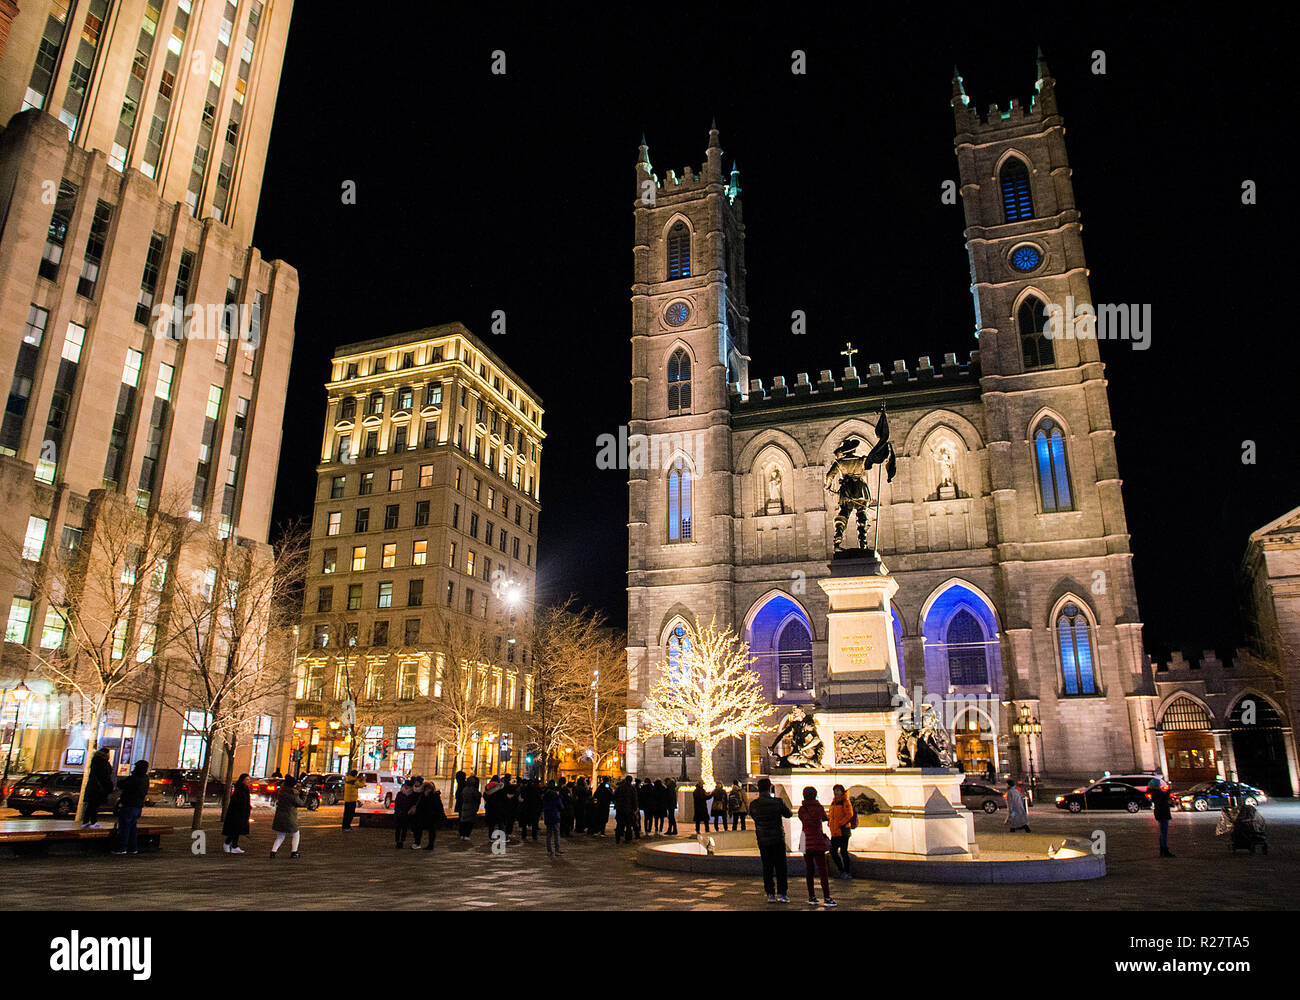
(849, 351)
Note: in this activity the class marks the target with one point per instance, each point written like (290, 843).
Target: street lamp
(1027, 725)
(20, 695)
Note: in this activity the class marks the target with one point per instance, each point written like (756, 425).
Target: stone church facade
(1004, 527)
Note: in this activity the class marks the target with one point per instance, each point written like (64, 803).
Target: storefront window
(192, 743)
(261, 747)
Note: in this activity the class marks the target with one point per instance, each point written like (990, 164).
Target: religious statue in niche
(923, 741)
(805, 748)
(775, 497)
(947, 461)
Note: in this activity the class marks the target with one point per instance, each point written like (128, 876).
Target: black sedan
(1219, 795)
(180, 787)
(321, 789)
(56, 792)
(1105, 795)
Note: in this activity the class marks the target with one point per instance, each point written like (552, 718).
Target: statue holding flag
(846, 477)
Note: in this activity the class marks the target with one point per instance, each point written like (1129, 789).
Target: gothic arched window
(679, 381)
(679, 502)
(794, 657)
(1053, 470)
(967, 663)
(679, 251)
(1031, 320)
(679, 645)
(1017, 201)
(1075, 640)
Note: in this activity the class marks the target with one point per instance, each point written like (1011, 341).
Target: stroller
(1243, 827)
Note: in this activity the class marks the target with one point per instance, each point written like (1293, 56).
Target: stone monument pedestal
(906, 812)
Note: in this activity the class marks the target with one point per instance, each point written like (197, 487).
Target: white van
(378, 788)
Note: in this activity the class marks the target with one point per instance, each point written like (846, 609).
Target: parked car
(264, 788)
(1218, 794)
(1105, 794)
(53, 791)
(179, 787)
(10, 784)
(378, 788)
(326, 788)
(1138, 779)
(978, 795)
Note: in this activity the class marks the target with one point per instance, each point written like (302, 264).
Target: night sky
(478, 192)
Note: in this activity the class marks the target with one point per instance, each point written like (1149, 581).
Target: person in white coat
(1017, 811)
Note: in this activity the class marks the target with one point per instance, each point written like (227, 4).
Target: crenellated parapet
(876, 380)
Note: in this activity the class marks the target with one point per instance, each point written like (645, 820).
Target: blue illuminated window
(679, 251)
(1017, 201)
(679, 502)
(794, 657)
(1076, 651)
(1026, 258)
(1053, 471)
(679, 645)
(967, 663)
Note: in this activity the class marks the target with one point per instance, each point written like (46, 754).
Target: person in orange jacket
(842, 821)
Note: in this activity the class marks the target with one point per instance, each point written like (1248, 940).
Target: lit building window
(679, 502)
(1053, 470)
(1075, 642)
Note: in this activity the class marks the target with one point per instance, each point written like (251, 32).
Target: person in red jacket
(812, 814)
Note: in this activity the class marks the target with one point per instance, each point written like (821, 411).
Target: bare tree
(354, 698)
(224, 616)
(709, 695)
(107, 600)
(460, 706)
(603, 706)
(559, 636)
(579, 682)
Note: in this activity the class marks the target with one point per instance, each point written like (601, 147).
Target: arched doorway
(1190, 754)
(1259, 745)
(973, 740)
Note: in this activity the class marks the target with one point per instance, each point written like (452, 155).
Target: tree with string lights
(708, 695)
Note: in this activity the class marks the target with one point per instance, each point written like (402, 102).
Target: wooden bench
(37, 836)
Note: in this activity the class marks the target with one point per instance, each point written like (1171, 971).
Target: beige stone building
(1005, 526)
(426, 515)
(148, 343)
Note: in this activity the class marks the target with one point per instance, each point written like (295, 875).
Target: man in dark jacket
(768, 812)
(403, 807)
(429, 815)
(670, 803)
(98, 787)
(552, 805)
(1160, 806)
(567, 810)
(603, 797)
(700, 800)
(530, 809)
(625, 803)
(131, 795)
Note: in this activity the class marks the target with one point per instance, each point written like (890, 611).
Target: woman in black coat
(238, 811)
(429, 815)
(530, 810)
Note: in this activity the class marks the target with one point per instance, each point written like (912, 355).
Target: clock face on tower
(677, 314)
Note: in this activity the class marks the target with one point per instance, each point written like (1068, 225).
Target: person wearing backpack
(738, 804)
(843, 820)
